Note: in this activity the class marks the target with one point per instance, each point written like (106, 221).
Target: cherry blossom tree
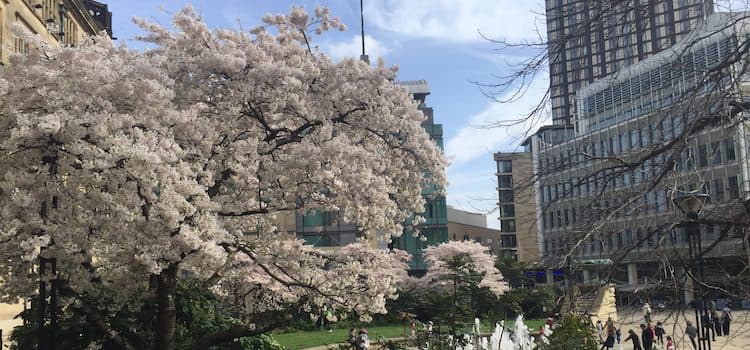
(127, 167)
(447, 260)
(461, 280)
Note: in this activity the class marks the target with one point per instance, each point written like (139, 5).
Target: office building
(467, 226)
(519, 238)
(326, 230)
(592, 201)
(591, 39)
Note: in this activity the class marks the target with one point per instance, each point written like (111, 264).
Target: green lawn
(307, 339)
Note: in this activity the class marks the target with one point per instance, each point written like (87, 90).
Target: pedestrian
(352, 336)
(670, 343)
(647, 312)
(618, 335)
(659, 332)
(708, 323)
(726, 317)
(647, 337)
(692, 333)
(362, 342)
(717, 322)
(634, 338)
(600, 330)
(609, 343)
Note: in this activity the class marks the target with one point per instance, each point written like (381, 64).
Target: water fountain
(503, 339)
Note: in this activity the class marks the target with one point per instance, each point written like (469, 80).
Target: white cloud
(353, 48)
(473, 140)
(458, 20)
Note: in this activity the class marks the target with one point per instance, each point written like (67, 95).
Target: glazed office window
(715, 153)
(508, 225)
(508, 210)
(718, 190)
(702, 156)
(504, 166)
(729, 153)
(505, 181)
(506, 196)
(734, 187)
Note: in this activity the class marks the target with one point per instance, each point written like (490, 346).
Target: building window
(19, 45)
(718, 192)
(506, 196)
(729, 150)
(734, 187)
(508, 225)
(504, 166)
(507, 210)
(505, 181)
(508, 241)
(716, 153)
(702, 156)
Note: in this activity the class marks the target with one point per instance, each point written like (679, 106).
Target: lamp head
(690, 203)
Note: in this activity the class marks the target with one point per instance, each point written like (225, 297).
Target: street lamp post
(691, 205)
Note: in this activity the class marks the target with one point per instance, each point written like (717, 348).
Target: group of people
(714, 320)
(719, 320)
(649, 337)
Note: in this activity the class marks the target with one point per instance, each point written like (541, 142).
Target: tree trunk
(166, 284)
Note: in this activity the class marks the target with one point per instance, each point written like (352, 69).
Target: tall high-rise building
(591, 39)
(594, 208)
(434, 230)
(325, 230)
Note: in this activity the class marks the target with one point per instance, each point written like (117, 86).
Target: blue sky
(435, 40)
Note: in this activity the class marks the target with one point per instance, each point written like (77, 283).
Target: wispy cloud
(353, 48)
(475, 140)
(458, 20)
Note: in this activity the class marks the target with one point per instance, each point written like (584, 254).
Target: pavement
(674, 322)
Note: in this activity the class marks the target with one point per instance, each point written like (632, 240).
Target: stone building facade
(60, 22)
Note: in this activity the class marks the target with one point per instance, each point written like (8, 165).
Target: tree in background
(572, 333)
(127, 170)
(461, 283)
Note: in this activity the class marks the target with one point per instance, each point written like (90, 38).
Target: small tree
(461, 280)
(572, 333)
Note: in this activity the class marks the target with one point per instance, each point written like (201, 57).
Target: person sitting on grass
(363, 341)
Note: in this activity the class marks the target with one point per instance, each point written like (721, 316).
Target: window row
(646, 237)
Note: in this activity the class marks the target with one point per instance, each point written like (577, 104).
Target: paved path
(674, 325)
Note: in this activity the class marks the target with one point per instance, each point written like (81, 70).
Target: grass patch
(307, 339)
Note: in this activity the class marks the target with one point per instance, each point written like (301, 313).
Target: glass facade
(612, 171)
(591, 39)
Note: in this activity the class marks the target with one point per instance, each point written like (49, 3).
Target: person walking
(726, 320)
(717, 323)
(634, 338)
(600, 330)
(659, 332)
(692, 333)
(647, 336)
(647, 312)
